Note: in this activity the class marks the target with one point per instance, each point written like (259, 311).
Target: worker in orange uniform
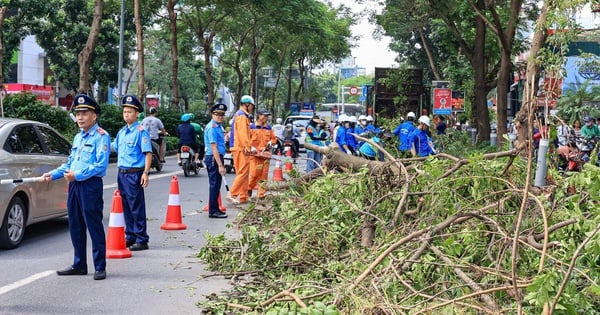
(239, 144)
(262, 137)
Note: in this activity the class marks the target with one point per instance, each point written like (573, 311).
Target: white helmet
(362, 117)
(352, 119)
(425, 120)
(343, 118)
(410, 115)
(369, 118)
(278, 120)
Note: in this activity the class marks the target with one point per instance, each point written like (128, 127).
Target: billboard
(442, 101)
(44, 94)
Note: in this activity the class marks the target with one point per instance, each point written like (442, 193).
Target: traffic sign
(353, 90)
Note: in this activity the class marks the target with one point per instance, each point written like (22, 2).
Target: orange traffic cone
(288, 161)
(173, 220)
(221, 206)
(115, 238)
(278, 172)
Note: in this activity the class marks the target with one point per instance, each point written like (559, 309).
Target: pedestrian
(214, 139)
(440, 125)
(316, 135)
(240, 146)
(157, 131)
(262, 138)
(403, 131)
(187, 136)
(420, 144)
(134, 157)
(84, 170)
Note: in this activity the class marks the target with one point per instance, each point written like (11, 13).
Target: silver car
(29, 149)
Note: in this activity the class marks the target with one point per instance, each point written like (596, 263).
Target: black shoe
(138, 246)
(179, 163)
(218, 215)
(129, 243)
(100, 275)
(163, 161)
(70, 271)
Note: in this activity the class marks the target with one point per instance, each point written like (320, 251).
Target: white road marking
(22, 282)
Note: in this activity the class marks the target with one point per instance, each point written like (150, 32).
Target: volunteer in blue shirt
(419, 139)
(403, 131)
(84, 170)
(214, 139)
(134, 157)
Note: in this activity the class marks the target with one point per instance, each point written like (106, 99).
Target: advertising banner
(442, 101)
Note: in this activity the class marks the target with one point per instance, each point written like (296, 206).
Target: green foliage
(307, 241)
(26, 106)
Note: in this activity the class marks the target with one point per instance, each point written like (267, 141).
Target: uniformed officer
(84, 170)
(214, 139)
(134, 157)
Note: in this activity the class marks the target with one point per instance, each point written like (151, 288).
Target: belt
(131, 170)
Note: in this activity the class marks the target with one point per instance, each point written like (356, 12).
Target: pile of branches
(437, 235)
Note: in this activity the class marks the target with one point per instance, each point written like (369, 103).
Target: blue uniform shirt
(403, 131)
(214, 133)
(89, 155)
(420, 140)
(340, 137)
(350, 140)
(369, 150)
(131, 144)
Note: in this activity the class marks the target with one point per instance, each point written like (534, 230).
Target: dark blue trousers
(214, 182)
(84, 206)
(134, 206)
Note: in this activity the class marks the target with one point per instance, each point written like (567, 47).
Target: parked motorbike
(283, 146)
(156, 163)
(187, 161)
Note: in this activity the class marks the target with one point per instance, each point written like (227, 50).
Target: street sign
(353, 90)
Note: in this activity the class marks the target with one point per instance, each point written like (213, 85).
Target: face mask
(347, 125)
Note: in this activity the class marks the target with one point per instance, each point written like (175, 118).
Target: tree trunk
(434, 69)
(139, 32)
(482, 119)
(84, 57)
(524, 118)
(207, 47)
(174, 54)
(2, 16)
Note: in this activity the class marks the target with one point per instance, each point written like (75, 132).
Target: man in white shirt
(154, 125)
(278, 128)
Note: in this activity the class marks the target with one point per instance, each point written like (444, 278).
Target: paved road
(162, 280)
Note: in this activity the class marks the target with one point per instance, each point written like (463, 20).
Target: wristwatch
(146, 172)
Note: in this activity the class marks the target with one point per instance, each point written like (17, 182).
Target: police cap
(218, 108)
(83, 102)
(132, 101)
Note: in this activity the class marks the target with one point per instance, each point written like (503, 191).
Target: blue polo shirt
(214, 133)
(89, 155)
(131, 144)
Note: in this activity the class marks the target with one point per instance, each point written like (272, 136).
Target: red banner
(44, 94)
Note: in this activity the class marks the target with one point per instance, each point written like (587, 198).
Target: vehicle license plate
(185, 155)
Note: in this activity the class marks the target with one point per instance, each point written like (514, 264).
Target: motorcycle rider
(291, 132)
(187, 136)
(155, 127)
(278, 128)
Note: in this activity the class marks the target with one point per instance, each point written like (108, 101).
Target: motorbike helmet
(425, 120)
(247, 99)
(279, 120)
(186, 117)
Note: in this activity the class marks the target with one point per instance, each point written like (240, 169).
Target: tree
(174, 53)
(84, 56)
(139, 31)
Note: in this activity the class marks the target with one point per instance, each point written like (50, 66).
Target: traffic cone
(173, 220)
(288, 161)
(221, 206)
(278, 172)
(115, 238)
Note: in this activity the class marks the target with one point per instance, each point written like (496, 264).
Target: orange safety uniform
(260, 138)
(240, 138)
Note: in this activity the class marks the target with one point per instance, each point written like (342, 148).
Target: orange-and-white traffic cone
(115, 238)
(173, 220)
(278, 172)
(221, 206)
(288, 161)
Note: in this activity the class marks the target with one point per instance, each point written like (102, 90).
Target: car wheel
(13, 225)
